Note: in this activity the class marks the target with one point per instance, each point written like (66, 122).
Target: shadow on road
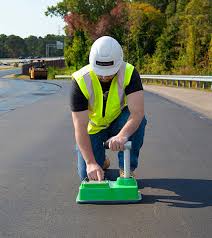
(184, 193)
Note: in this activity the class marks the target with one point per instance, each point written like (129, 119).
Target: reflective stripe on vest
(91, 88)
(121, 74)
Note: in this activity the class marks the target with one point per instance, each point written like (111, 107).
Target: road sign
(59, 45)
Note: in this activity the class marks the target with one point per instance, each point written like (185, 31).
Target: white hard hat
(106, 56)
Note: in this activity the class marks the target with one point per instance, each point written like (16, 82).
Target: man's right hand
(94, 171)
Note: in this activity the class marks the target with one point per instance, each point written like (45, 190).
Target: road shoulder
(197, 100)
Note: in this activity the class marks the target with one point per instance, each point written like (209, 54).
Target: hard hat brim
(105, 71)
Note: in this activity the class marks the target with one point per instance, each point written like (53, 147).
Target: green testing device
(123, 190)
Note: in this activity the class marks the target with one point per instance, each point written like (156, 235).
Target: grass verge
(56, 71)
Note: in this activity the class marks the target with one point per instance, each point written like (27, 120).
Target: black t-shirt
(78, 102)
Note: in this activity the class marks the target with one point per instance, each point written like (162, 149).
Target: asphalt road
(16, 93)
(10, 71)
(39, 183)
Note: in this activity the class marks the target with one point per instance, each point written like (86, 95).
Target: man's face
(105, 79)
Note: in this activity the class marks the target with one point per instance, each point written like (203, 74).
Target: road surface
(15, 93)
(11, 71)
(39, 183)
(199, 100)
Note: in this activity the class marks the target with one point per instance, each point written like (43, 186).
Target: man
(107, 105)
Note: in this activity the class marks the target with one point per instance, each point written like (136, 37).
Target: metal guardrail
(167, 77)
(201, 81)
(205, 80)
(178, 77)
(62, 76)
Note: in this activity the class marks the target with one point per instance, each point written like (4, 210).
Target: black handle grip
(106, 145)
(127, 145)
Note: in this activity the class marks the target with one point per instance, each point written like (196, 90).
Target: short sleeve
(135, 83)
(78, 102)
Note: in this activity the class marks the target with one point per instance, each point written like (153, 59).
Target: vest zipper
(104, 107)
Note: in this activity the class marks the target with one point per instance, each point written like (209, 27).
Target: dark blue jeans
(102, 136)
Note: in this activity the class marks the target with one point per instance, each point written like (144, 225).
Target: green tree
(167, 47)
(158, 36)
(60, 9)
(181, 5)
(167, 50)
(88, 20)
(3, 51)
(145, 25)
(161, 4)
(210, 56)
(76, 53)
(91, 10)
(32, 45)
(15, 46)
(194, 33)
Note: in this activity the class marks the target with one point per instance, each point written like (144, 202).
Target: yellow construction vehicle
(38, 71)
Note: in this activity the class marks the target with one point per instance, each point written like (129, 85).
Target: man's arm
(80, 121)
(135, 103)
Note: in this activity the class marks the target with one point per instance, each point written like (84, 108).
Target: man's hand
(116, 143)
(94, 171)
(136, 107)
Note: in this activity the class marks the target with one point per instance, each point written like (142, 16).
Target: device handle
(127, 145)
(127, 148)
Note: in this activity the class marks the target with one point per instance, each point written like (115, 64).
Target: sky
(27, 17)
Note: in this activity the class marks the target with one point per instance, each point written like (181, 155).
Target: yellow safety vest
(91, 88)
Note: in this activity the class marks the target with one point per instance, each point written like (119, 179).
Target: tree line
(158, 36)
(14, 46)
